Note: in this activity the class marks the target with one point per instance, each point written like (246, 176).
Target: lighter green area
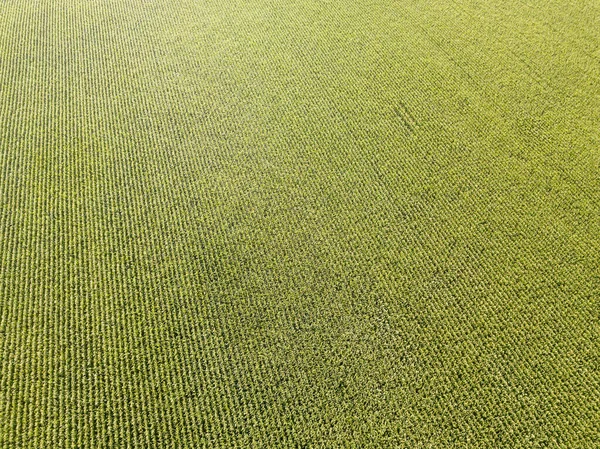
(299, 224)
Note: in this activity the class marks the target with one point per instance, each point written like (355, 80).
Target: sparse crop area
(299, 224)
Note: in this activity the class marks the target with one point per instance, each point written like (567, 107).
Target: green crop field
(299, 224)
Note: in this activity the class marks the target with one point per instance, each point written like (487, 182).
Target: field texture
(299, 224)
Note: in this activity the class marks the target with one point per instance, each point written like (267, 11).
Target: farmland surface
(299, 224)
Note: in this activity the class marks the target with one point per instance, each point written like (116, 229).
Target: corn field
(299, 224)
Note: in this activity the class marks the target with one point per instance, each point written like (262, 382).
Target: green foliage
(299, 224)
